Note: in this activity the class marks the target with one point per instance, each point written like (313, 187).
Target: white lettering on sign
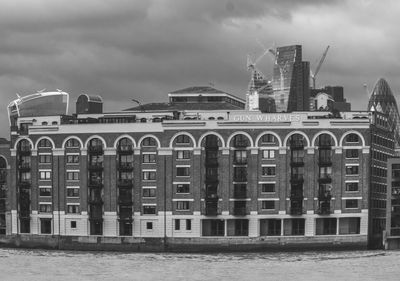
(266, 117)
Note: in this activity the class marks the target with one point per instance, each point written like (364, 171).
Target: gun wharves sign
(271, 117)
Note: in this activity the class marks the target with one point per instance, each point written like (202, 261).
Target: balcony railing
(24, 167)
(324, 196)
(325, 161)
(125, 149)
(240, 193)
(125, 201)
(211, 208)
(125, 166)
(325, 208)
(211, 162)
(125, 215)
(296, 144)
(95, 167)
(96, 150)
(96, 201)
(297, 162)
(240, 178)
(240, 161)
(295, 178)
(240, 211)
(95, 184)
(125, 183)
(296, 210)
(325, 179)
(24, 184)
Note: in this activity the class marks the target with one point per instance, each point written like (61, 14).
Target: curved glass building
(382, 100)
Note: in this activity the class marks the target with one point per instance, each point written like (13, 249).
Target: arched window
(352, 138)
(149, 141)
(44, 143)
(182, 139)
(72, 143)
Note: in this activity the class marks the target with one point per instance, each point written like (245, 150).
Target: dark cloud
(144, 49)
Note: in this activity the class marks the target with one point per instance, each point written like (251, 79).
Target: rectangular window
(268, 171)
(268, 205)
(351, 186)
(73, 224)
(177, 224)
(240, 157)
(188, 224)
(72, 192)
(44, 208)
(72, 176)
(149, 158)
(43, 159)
(182, 171)
(72, 209)
(149, 225)
(351, 204)
(44, 191)
(182, 188)
(72, 159)
(351, 153)
(45, 226)
(351, 170)
(149, 210)
(44, 175)
(183, 154)
(149, 192)
(182, 205)
(268, 154)
(26, 176)
(149, 175)
(268, 187)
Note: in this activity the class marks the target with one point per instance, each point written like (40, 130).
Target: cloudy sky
(144, 49)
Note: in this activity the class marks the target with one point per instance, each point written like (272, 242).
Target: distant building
(86, 104)
(337, 100)
(291, 80)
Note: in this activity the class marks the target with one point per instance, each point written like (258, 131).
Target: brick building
(220, 173)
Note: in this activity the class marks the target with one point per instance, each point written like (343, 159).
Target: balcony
(96, 213)
(296, 209)
(240, 161)
(24, 167)
(240, 211)
(297, 162)
(212, 194)
(296, 144)
(325, 179)
(211, 162)
(96, 150)
(95, 167)
(240, 177)
(325, 162)
(211, 179)
(125, 216)
(125, 201)
(324, 196)
(211, 208)
(24, 152)
(124, 183)
(96, 201)
(125, 167)
(125, 150)
(296, 179)
(24, 214)
(3, 178)
(324, 208)
(24, 184)
(240, 193)
(296, 195)
(95, 184)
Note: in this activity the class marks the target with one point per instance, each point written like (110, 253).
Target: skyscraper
(291, 83)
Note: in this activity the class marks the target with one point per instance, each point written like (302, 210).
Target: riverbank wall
(214, 244)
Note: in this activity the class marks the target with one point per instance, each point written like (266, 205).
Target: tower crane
(314, 75)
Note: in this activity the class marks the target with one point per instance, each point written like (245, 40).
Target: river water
(41, 265)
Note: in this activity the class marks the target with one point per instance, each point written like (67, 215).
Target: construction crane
(314, 75)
